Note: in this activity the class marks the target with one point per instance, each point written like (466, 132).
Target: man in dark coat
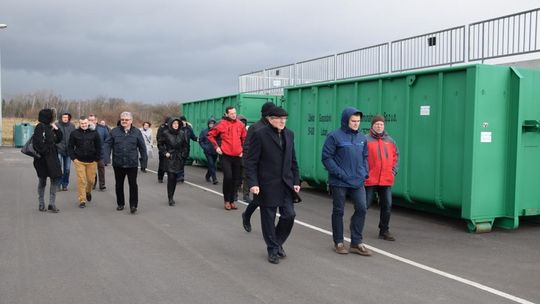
(46, 136)
(103, 133)
(126, 143)
(252, 204)
(66, 126)
(273, 178)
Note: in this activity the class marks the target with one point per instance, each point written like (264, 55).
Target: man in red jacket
(233, 134)
(383, 161)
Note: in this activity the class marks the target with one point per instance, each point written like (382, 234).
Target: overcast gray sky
(161, 50)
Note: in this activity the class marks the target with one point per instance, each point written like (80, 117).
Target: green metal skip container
(198, 113)
(469, 137)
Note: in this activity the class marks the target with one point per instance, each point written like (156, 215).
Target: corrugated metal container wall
(469, 137)
(198, 113)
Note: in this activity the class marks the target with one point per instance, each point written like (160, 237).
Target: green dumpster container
(198, 112)
(22, 133)
(469, 137)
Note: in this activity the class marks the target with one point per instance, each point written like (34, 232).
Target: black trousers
(232, 176)
(275, 236)
(171, 184)
(161, 171)
(120, 176)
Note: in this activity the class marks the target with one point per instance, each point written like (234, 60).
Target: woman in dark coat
(46, 136)
(173, 145)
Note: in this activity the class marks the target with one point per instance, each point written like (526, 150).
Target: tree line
(105, 108)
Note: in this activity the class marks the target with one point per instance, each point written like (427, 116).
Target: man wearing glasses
(126, 144)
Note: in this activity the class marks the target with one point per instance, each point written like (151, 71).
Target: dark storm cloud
(183, 50)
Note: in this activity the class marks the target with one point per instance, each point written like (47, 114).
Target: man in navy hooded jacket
(344, 156)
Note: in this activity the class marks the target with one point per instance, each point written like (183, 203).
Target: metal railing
(429, 50)
(363, 62)
(504, 36)
(509, 35)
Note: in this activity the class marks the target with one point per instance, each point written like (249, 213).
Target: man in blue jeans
(344, 156)
(66, 127)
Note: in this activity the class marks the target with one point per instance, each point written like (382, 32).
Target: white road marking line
(396, 257)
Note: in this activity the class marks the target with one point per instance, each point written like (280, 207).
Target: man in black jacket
(84, 148)
(126, 143)
(252, 204)
(66, 127)
(273, 178)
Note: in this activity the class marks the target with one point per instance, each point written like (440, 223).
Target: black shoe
(207, 179)
(215, 182)
(273, 258)
(102, 188)
(281, 253)
(133, 210)
(246, 223)
(42, 208)
(143, 170)
(120, 208)
(172, 202)
(179, 181)
(88, 196)
(53, 209)
(160, 181)
(82, 205)
(387, 236)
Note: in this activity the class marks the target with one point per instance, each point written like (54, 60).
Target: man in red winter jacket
(233, 134)
(383, 161)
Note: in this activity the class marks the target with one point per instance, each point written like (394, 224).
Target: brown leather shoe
(233, 206)
(341, 248)
(227, 206)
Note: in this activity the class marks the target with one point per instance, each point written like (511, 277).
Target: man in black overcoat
(273, 178)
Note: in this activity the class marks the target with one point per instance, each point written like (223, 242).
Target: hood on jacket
(171, 120)
(45, 116)
(346, 115)
(211, 119)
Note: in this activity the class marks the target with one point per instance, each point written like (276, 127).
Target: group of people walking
(263, 158)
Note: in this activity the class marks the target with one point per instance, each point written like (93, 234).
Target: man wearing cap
(273, 178)
(233, 134)
(252, 206)
(344, 156)
(383, 160)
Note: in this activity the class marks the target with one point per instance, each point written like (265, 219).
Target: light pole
(2, 26)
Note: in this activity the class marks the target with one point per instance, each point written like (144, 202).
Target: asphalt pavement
(197, 252)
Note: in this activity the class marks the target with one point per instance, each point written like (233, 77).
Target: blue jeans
(65, 163)
(211, 160)
(385, 203)
(358, 197)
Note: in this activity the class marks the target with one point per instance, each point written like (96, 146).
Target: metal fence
(510, 35)
(363, 62)
(504, 36)
(429, 50)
